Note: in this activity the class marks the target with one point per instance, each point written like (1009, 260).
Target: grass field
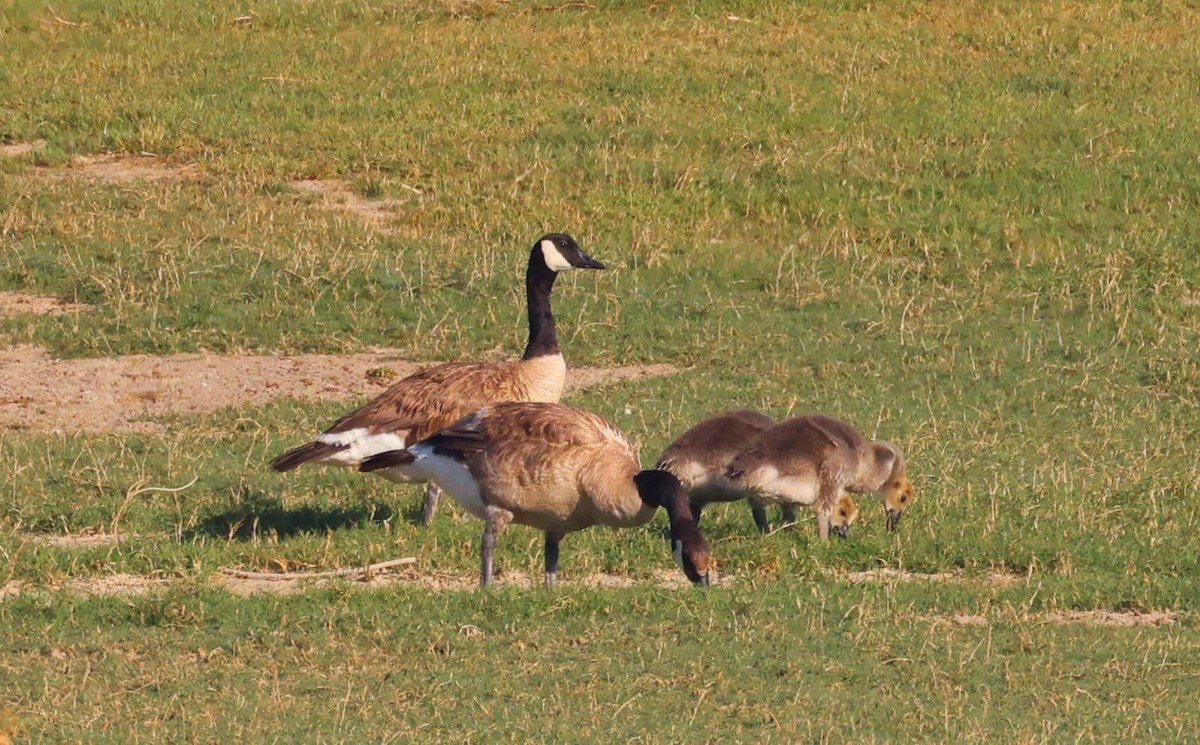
(973, 229)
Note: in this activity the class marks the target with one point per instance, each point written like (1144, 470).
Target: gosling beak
(843, 531)
(893, 519)
(587, 262)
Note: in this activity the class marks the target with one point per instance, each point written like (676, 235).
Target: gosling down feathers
(425, 402)
(552, 467)
(700, 457)
(813, 460)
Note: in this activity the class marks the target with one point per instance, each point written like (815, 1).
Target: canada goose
(700, 456)
(553, 467)
(813, 459)
(423, 403)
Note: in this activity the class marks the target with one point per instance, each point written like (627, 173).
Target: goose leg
(787, 513)
(824, 506)
(552, 540)
(497, 520)
(432, 493)
(760, 516)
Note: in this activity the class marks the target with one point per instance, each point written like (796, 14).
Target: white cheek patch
(554, 259)
(359, 444)
(451, 476)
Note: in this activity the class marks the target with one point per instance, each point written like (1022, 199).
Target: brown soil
(337, 195)
(446, 582)
(1090, 617)
(85, 540)
(22, 304)
(17, 149)
(900, 575)
(1115, 618)
(118, 394)
(409, 576)
(122, 169)
(115, 584)
(133, 584)
(334, 194)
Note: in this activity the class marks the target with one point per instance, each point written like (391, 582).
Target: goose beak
(703, 581)
(587, 262)
(843, 531)
(893, 519)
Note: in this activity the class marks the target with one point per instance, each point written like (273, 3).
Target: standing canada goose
(813, 459)
(423, 403)
(701, 455)
(553, 467)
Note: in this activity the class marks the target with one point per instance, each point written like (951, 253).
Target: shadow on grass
(258, 515)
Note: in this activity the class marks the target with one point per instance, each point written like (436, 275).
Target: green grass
(970, 229)
(788, 661)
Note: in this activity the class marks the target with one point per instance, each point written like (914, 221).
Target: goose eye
(903, 498)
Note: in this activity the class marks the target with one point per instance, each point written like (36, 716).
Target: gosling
(700, 456)
(813, 460)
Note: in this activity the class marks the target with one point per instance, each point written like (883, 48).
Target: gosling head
(896, 490)
(845, 512)
(897, 495)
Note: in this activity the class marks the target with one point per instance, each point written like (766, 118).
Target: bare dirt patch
(115, 584)
(337, 194)
(1087, 617)
(24, 304)
(84, 540)
(133, 584)
(119, 394)
(900, 575)
(10, 588)
(122, 169)
(17, 149)
(1115, 618)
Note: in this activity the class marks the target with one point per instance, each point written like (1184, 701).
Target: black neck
(539, 280)
(661, 489)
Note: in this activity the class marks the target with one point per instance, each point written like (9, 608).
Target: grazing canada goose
(426, 401)
(813, 459)
(553, 467)
(701, 455)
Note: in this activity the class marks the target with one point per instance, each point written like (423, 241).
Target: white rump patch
(554, 259)
(359, 445)
(451, 476)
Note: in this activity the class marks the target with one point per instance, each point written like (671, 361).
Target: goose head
(559, 252)
(688, 546)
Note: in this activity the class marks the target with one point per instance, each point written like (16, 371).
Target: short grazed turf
(970, 229)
